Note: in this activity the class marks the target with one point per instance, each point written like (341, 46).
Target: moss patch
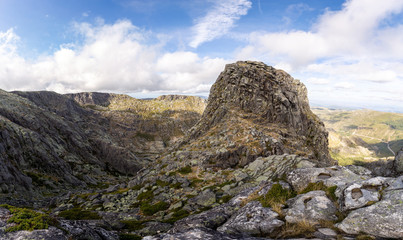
(27, 219)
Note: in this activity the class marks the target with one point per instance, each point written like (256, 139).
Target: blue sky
(348, 53)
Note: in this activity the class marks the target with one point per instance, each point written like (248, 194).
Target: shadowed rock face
(272, 102)
(48, 140)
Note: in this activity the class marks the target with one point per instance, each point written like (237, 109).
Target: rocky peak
(269, 100)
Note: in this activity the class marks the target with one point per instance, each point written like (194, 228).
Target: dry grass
(302, 228)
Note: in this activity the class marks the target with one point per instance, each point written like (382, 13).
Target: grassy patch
(27, 219)
(79, 214)
(149, 209)
(330, 191)
(277, 195)
(133, 225)
(300, 229)
(177, 185)
(225, 199)
(178, 215)
(129, 236)
(147, 195)
(185, 170)
(161, 183)
(146, 136)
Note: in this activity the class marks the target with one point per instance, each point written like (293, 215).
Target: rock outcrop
(256, 110)
(398, 163)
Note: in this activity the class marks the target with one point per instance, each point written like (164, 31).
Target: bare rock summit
(256, 110)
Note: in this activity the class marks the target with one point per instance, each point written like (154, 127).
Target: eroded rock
(382, 219)
(312, 206)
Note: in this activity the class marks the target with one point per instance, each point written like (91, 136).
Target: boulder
(206, 198)
(312, 207)
(52, 233)
(252, 219)
(199, 234)
(331, 176)
(362, 193)
(382, 219)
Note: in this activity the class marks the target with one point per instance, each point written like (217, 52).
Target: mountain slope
(362, 135)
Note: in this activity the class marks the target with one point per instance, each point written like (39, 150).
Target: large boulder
(362, 193)
(252, 219)
(199, 234)
(331, 176)
(311, 207)
(383, 219)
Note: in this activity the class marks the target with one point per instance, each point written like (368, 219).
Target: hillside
(253, 165)
(362, 135)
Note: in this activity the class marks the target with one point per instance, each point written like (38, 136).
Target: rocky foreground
(255, 166)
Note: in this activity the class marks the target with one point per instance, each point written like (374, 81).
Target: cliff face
(266, 110)
(51, 142)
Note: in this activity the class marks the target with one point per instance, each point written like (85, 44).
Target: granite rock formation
(256, 110)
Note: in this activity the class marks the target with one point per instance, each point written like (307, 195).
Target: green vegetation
(178, 215)
(330, 191)
(185, 170)
(146, 136)
(133, 225)
(276, 195)
(79, 214)
(150, 210)
(147, 195)
(362, 135)
(161, 183)
(177, 185)
(129, 236)
(395, 124)
(225, 199)
(27, 219)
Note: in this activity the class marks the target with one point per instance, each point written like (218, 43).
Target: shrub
(27, 219)
(79, 214)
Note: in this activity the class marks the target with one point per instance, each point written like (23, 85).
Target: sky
(349, 53)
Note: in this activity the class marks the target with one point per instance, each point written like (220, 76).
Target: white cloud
(354, 30)
(344, 85)
(112, 57)
(352, 48)
(219, 20)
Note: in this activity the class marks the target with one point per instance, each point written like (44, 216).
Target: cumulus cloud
(352, 30)
(112, 57)
(219, 20)
(352, 48)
